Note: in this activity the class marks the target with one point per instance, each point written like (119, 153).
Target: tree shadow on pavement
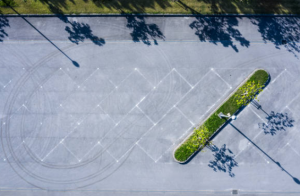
(276, 121)
(224, 159)
(80, 31)
(280, 31)
(219, 30)
(44, 36)
(4, 23)
(142, 32)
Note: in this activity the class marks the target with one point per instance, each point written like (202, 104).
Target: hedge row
(213, 123)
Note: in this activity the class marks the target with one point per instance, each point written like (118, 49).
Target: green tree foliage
(199, 138)
(248, 92)
(7, 3)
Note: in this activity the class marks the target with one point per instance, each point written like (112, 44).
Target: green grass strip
(213, 123)
(152, 6)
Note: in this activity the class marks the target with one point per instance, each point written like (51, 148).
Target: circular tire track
(9, 149)
(27, 171)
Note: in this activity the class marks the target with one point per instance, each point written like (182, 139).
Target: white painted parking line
(109, 153)
(293, 149)
(133, 145)
(296, 97)
(145, 115)
(71, 152)
(202, 79)
(137, 144)
(182, 77)
(51, 151)
(184, 115)
(89, 151)
(90, 76)
(164, 153)
(257, 114)
(213, 70)
(136, 69)
(278, 76)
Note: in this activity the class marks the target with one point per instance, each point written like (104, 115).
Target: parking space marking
(184, 115)
(293, 149)
(287, 71)
(51, 150)
(145, 114)
(108, 153)
(89, 151)
(278, 76)
(133, 145)
(163, 153)
(263, 157)
(136, 69)
(71, 152)
(294, 113)
(221, 78)
(249, 106)
(293, 100)
(137, 144)
(182, 77)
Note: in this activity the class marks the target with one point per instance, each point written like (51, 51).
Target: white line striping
(90, 76)
(133, 145)
(71, 152)
(202, 78)
(221, 78)
(146, 115)
(182, 77)
(88, 152)
(293, 99)
(258, 116)
(145, 152)
(184, 115)
(108, 152)
(287, 71)
(106, 114)
(50, 152)
(293, 149)
(278, 76)
(67, 75)
(144, 77)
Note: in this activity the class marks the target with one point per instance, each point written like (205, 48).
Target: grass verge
(153, 6)
(213, 123)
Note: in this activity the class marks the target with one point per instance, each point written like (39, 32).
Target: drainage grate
(235, 192)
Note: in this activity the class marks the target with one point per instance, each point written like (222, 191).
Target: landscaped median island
(242, 96)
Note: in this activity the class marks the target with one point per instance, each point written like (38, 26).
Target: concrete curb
(217, 131)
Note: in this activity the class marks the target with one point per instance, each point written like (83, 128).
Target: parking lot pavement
(113, 122)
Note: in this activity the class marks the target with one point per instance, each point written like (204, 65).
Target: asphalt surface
(96, 106)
